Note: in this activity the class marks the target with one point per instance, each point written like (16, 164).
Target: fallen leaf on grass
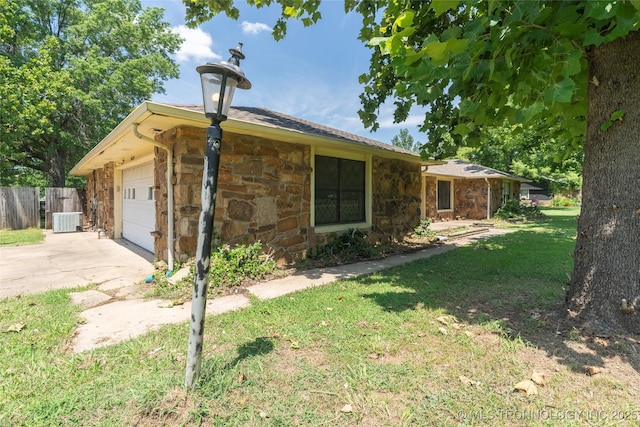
(16, 327)
(601, 342)
(527, 386)
(468, 381)
(446, 320)
(592, 370)
(373, 356)
(538, 378)
(346, 409)
(241, 378)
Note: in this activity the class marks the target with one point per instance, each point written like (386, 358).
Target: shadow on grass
(217, 377)
(257, 347)
(518, 280)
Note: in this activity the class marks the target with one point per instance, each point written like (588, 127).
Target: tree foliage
(404, 140)
(70, 70)
(531, 153)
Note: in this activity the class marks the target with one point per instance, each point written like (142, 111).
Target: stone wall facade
(263, 193)
(100, 202)
(396, 191)
(469, 198)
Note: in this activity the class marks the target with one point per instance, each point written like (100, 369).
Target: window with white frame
(506, 191)
(339, 190)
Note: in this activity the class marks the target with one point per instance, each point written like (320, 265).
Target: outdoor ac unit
(64, 222)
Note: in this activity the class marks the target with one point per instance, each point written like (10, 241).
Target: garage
(138, 205)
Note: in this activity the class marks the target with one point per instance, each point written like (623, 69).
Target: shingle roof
(462, 169)
(266, 117)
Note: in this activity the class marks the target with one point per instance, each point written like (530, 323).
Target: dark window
(444, 195)
(340, 190)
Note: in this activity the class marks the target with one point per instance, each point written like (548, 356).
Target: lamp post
(219, 82)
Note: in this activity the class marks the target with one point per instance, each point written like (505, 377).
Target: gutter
(488, 198)
(170, 207)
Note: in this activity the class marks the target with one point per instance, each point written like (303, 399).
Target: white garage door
(138, 206)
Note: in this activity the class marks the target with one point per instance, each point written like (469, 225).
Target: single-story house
(286, 182)
(463, 190)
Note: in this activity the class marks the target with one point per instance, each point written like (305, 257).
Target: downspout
(488, 198)
(170, 208)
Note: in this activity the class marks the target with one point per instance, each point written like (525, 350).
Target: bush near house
(564, 202)
(344, 248)
(231, 266)
(513, 209)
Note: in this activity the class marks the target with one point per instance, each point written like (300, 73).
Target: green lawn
(441, 341)
(28, 236)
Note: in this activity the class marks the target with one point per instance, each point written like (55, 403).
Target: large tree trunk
(607, 254)
(56, 167)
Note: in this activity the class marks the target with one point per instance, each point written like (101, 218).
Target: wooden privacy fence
(19, 207)
(57, 199)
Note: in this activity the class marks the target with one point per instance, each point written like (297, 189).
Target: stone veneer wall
(100, 186)
(396, 187)
(470, 198)
(263, 193)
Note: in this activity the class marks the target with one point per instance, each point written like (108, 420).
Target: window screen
(339, 190)
(444, 195)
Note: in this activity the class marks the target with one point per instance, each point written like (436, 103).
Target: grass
(441, 341)
(28, 236)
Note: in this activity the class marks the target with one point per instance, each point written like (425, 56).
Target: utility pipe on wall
(488, 198)
(170, 208)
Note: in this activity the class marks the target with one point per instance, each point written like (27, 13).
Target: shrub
(422, 230)
(344, 248)
(231, 266)
(561, 201)
(513, 209)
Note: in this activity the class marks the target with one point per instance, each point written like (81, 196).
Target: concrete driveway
(67, 260)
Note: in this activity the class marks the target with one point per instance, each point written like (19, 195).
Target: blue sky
(311, 74)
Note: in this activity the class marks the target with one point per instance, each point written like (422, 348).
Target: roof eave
(148, 109)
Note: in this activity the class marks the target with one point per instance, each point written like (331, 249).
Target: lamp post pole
(203, 253)
(218, 84)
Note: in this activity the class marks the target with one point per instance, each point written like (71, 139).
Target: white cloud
(196, 45)
(254, 28)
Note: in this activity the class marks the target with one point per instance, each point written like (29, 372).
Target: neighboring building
(535, 190)
(462, 190)
(286, 182)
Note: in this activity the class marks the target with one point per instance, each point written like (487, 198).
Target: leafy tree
(70, 70)
(532, 153)
(406, 141)
(572, 65)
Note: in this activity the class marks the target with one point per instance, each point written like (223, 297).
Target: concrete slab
(88, 299)
(122, 320)
(67, 260)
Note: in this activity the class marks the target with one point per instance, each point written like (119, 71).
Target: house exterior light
(219, 82)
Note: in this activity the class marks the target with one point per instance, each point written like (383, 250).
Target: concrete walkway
(115, 317)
